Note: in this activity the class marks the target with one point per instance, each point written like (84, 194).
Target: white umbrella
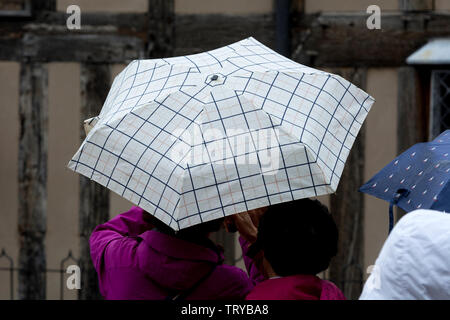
(199, 137)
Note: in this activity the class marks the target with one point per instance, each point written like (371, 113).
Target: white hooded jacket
(414, 262)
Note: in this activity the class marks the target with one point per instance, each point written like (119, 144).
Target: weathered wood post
(161, 23)
(412, 113)
(32, 218)
(94, 198)
(347, 207)
(411, 110)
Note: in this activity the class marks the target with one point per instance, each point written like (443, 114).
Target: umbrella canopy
(416, 179)
(199, 137)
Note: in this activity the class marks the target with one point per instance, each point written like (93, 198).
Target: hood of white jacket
(414, 262)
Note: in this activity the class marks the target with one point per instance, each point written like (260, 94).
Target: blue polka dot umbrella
(416, 179)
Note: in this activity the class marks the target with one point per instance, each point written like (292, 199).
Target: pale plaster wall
(236, 6)
(104, 5)
(381, 148)
(312, 6)
(62, 183)
(442, 5)
(64, 123)
(9, 144)
(223, 7)
(181, 6)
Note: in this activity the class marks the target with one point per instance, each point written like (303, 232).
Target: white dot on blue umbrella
(413, 187)
(419, 206)
(442, 183)
(409, 201)
(432, 149)
(425, 192)
(431, 179)
(374, 185)
(387, 189)
(435, 198)
(437, 166)
(413, 154)
(396, 162)
(445, 154)
(420, 173)
(408, 167)
(425, 160)
(403, 180)
(390, 177)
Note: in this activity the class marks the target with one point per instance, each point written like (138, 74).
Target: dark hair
(298, 237)
(195, 233)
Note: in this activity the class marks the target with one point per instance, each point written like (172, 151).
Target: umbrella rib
(229, 144)
(214, 174)
(297, 141)
(107, 138)
(132, 138)
(295, 110)
(310, 171)
(332, 117)
(192, 121)
(312, 107)
(282, 157)
(257, 155)
(346, 135)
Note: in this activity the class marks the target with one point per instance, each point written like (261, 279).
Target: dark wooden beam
(416, 5)
(103, 38)
(94, 198)
(283, 27)
(161, 28)
(82, 48)
(51, 22)
(43, 5)
(197, 33)
(347, 207)
(343, 40)
(314, 36)
(10, 49)
(32, 218)
(113, 41)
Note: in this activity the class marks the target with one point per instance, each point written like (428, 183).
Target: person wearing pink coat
(297, 241)
(137, 257)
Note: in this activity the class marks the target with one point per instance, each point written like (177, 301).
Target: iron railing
(11, 269)
(349, 279)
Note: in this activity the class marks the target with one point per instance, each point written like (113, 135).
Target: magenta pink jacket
(297, 287)
(135, 262)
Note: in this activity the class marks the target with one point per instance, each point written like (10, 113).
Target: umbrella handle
(391, 216)
(398, 195)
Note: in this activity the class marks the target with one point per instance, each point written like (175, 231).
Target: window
(440, 102)
(15, 8)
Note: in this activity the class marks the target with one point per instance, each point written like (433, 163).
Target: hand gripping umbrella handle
(397, 196)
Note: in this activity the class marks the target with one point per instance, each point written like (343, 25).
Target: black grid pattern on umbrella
(314, 117)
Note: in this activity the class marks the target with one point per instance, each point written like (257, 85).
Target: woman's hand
(256, 215)
(247, 223)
